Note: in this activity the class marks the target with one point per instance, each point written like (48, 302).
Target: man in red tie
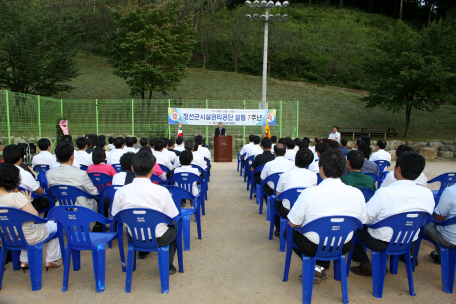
(219, 130)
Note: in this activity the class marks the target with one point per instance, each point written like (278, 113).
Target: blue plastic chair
(155, 178)
(208, 163)
(100, 181)
(14, 218)
(274, 178)
(109, 192)
(82, 167)
(185, 181)
(291, 195)
(242, 165)
(238, 161)
(164, 169)
(253, 184)
(117, 167)
(41, 178)
(41, 168)
(368, 193)
(385, 173)
(66, 195)
(405, 226)
(247, 169)
(75, 222)
(178, 195)
(382, 166)
(324, 227)
(319, 179)
(139, 222)
(374, 176)
(446, 180)
(205, 185)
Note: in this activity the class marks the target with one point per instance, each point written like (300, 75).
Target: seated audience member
(172, 146)
(330, 198)
(246, 147)
(369, 166)
(204, 143)
(136, 146)
(274, 142)
(343, 146)
(45, 156)
(171, 155)
(297, 141)
(298, 177)
(278, 165)
(89, 149)
(54, 162)
(198, 159)
(114, 157)
(185, 160)
(262, 158)
(202, 150)
(291, 153)
(303, 145)
(320, 148)
(111, 144)
(129, 145)
(283, 140)
(334, 145)
(34, 233)
(126, 176)
(317, 140)
(143, 142)
(81, 156)
(69, 176)
(401, 196)
(255, 149)
(157, 170)
(360, 142)
(161, 157)
(443, 235)
(98, 158)
(12, 154)
(179, 144)
(142, 193)
(356, 178)
(335, 135)
(101, 143)
(381, 154)
(389, 179)
(152, 144)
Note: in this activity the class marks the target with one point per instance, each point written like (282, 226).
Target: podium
(223, 148)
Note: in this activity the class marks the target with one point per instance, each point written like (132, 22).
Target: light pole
(266, 18)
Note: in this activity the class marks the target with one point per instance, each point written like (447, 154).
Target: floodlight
(285, 18)
(271, 3)
(264, 3)
(256, 3)
(285, 4)
(278, 4)
(256, 17)
(248, 17)
(270, 17)
(277, 18)
(263, 18)
(247, 3)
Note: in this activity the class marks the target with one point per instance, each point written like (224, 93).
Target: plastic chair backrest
(291, 195)
(446, 180)
(11, 220)
(155, 178)
(332, 230)
(82, 167)
(450, 221)
(274, 178)
(201, 170)
(76, 223)
(319, 179)
(250, 159)
(243, 155)
(382, 165)
(100, 180)
(185, 180)
(67, 195)
(164, 168)
(374, 176)
(41, 168)
(385, 173)
(142, 223)
(368, 193)
(179, 194)
(41, 177)
(117, 167)
(404, 225)
(258, 169)
(109, 192)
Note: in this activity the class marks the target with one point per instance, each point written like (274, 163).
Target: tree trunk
(236, 63)
(408, 112)
(428, 21)
(400, 9)
(310, 2)
(341, 3)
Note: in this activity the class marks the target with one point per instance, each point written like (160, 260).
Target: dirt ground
(233, 263)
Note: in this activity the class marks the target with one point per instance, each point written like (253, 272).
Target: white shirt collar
(331, 181)
(403, 182)
(141, 181)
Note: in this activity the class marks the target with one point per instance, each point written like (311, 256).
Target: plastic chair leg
(448, 259)
(268, 208)
(261, 204)
(288, 255)
(180, 256)
(15, 255)
(308, 271)
(112, 228)
(394, 263)
(121, 248)
(101, 209)
(408, 265)
(271, 224)
(163, 266)
(186, 228)
(3, 253)
(66, 268)
(76, 260)
(203, 208)
(350, 254)
(343, 278)
(35, 259)
(98, 259)
(379, 260)
(198, 223)
(248, 181)
(283, 226)
(131, 254)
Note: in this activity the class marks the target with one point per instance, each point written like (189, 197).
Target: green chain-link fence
(29, 117)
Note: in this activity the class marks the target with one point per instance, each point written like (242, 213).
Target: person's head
(199, 140)
(280, 150)
(135, 140)
(66, 138)
(89, 142)
(256, 140)
(186, 158)
(321, 147)
(409, 166)
(111, 140)
(100, 143)
(143, 141)
(403, 148)
(290, 144)
(189, 145)
(251, 137)
(335, 129)
(13, 154)
(283, 140)
(204, 141)
(119, 142)
(334, 144)
(317, 140)
(332, 164)
(360, 142)
(159, 145)
(65, 152)
(220, 124)
(179, 140)
(306, 139)
(195, 148)
(129, 142)
(102, 137)
(266, 144)
(304, 158)
(152, 142)
(366, 149)
(274, 139)
(81, 143)
(381, 144)
(344, 142)
(98, 156)
(44, 144)
(297, 141)
(303, 144)
(145, 149)
(9, 176)
(125, 161)
(143, 164)
(171, 143)
(355, 160)
(165, 143)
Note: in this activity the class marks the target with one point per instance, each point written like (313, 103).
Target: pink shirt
(102, 168)
(157, 170)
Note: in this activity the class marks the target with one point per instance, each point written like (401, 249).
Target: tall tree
(238, 30)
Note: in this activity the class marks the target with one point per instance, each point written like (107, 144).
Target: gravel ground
(233, 263)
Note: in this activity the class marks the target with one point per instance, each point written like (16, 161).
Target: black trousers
(267, 190)
(40, 203)
(359, 255)
(305, 246)
(257, 178)
(282, 211)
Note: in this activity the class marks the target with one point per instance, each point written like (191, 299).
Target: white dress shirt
(179, 148)
(142, 193)
(278, 165)
(111, 147)
(389, 179)
(447, 208)
(295, 178)
(43, 158)
(331, 197)
(189, 169)
(119, 178)
(55, 164)
(312, 149)
(335, 136)
(314, 167)
(290, 154)
(129, 149)
(28, 182)
(400, 196)
(246, 148)
(381, 154)
(83, 158)
(171, 155)
(253, 151)
(204, 151)
(163, 159)
(114, 157)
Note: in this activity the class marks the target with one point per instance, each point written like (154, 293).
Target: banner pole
(96, 110)
(61, 107)
(207, 128)
(243, 137)
(280, 132)
(8, 118)
(297, 118)
(169, 126)
(132, 118)
(39, 118)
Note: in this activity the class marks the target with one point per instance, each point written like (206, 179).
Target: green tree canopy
(152, 47)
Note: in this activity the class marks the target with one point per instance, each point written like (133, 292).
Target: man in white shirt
(162, 158)
(401, 196)
(198, 159)
(298, 177)
(171, 155)
(179, 144)
(278, 165)
(111, 144)
(246, 147)
(320, 148)
(129, 145)
(381, 154)
(389, 179)
(142, 193)
(45, 156)
(443, 235)
(114, 157)
(274, 142)
(254, 150)
(316, 141)
(335, 135)
(186, 159)
(201, 149)
(330, 198)
(291, 153)
(81, 156)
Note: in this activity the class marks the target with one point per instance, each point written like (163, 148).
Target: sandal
(24, 266)
(55, 264)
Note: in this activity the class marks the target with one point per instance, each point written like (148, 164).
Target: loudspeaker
(93, 137)
(365, 138)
